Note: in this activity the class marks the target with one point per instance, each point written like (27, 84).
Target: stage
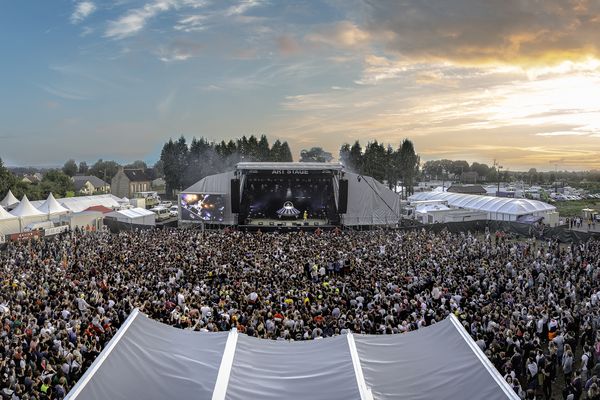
(269, 224)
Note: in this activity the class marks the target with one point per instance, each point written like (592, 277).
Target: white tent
(81, 203)
(370, 202)
(8, 223)
(9, 200)
(52, 207)
(149, 360)
(27, 213)
(136, 216)
(497, 208)
(26, 209)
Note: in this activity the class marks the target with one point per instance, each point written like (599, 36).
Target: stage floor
(297, 223)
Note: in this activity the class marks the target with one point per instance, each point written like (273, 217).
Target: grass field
(573, 208)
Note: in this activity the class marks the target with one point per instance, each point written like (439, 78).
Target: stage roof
(313, 166)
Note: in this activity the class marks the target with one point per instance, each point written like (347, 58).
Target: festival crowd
(531, 306)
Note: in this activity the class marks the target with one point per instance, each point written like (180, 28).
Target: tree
(83, 168)
(158, 169)
(263, 153)
(70, 168)
(286, 153)
(137, 164)
(409, 165)
(356, 157)
(57, 183)
(104, 170)
(174, 156)
(375, 160)
(7, 180)
(532, 175)
(315, 154)
(483, 170)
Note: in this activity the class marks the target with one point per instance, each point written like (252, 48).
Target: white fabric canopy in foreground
(150, 360)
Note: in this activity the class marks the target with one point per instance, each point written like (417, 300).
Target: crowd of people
(531, 306)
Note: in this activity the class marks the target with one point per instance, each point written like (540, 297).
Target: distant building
(34, 178)
(467, 189)
(129, 181)
(87, 185)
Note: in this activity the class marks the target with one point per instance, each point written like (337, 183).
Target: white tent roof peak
(9, 199)
(25, 209)
(51, 206)
(5, 214)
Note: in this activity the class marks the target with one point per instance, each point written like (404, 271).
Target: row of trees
(184, 164)
(54, 181)
(383, 162)
(104, 170)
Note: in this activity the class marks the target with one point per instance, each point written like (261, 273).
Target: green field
(573, 208)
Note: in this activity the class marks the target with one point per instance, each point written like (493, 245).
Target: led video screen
(202, 207)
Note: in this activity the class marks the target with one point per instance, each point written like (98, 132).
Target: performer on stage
(305, 215)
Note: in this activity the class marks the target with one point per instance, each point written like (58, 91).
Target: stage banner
(56, 230)
(25, 235)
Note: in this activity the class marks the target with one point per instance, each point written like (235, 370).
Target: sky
(513, 80)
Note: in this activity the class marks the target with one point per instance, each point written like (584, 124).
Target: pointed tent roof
(5, 214)
(51, 206)
(150, 360)
(9, 200)
(25, 209)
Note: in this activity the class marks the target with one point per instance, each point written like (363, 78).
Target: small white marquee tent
(136, 216)
(9, 201)
(8, 223)
(52, 207)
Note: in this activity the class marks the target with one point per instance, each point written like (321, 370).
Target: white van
(162, 213)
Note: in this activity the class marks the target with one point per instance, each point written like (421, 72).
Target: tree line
(183, 164)
(384, 163)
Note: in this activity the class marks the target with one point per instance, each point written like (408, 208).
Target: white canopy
(149, 360)
(9, 200)
(137, 215)
(52, 207)
(81, 203)
(501, 205)
(5, 214)
(26, 209)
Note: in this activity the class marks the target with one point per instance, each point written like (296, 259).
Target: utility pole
(498, 168)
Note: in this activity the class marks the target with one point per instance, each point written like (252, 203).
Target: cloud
(178, 50)
(82, 11)
(242, 7)
(191, 23)
(563, 133)
(343, 34)
(475, 32)
(64, 93)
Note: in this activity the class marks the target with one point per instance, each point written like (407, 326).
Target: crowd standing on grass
(531, 306)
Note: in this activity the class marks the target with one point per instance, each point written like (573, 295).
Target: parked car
(173, 211)
(162, 213)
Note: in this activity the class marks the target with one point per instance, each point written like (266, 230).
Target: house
(467, 189)
(129, 181)
(34, 178)
(87, 185)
